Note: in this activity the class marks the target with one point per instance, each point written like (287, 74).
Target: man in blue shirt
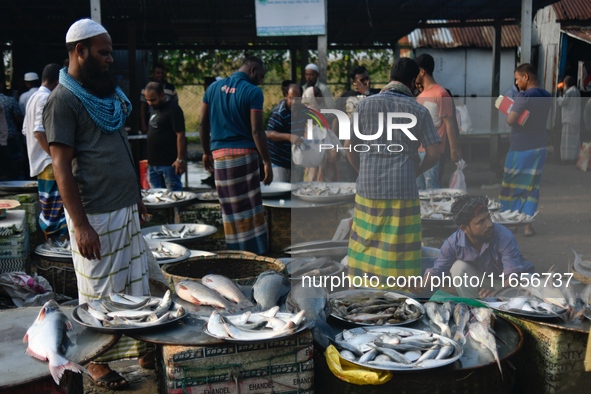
(233, 137)
(282, 132)
(477, 249)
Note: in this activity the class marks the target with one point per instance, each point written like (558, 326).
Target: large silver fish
(479, 332)
(269, 288)
(198, 294)
(46, 340)
(434, 313)
(461, 317)
(227, 288)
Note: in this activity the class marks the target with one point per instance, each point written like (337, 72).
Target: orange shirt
(438, 102)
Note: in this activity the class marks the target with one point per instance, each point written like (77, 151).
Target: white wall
(468, 71)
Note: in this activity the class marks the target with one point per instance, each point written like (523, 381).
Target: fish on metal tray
(269, 289)
(434, 313)
(198, 294)
(461, 317)
(46, 340)
(227, 288)
(479, 333)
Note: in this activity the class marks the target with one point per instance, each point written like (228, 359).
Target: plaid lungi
(237, 182)
(123, 268)
(520, 189)
(52, 219)
(385, 239)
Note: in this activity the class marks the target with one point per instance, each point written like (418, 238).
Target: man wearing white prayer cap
(84, 121)
(311, 74)
(32, 83)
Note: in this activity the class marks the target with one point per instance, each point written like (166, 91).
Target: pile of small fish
(161, 252)
(528, 304)
(47, 339)
(162, 196)
(511, 217)
(126, 311)
(167, 232)
(396, 348)
(259, 326)
(208, 196)
(214, 290)
(321, 189)
(376, 308)
(437, 210)
(440, 194)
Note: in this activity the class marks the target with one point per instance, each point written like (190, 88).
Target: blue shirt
(391, 175)
(532, 135)
(500, 256)
(11, 112)
(230, 102)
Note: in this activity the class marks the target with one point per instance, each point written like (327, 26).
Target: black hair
(404, 70)
(156, 86)
(426, 62)
(285, 86)
(356, 71)
(527, 68)
(51, 73)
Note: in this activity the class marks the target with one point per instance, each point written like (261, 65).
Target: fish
(46, 338)
(130, 314)
(461, 318)
(164, 304)
(257, 335)
(198, 294)
(393, 354)
(479, 332)
(88, 318)
(434, 313)
(347, 355)
(314, 301)
(215, 325)
(483, 315)
(227, 288)
(269, 288)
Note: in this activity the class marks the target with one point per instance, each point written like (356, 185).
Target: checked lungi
(238, 185)
(123, 268)
(385, 239)
(520, 189)
(52, 219)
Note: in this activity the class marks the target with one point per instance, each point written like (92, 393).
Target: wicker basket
(243, 268)
(580, 277)
(60, 274)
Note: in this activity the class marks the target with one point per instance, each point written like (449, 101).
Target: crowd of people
(77, 146)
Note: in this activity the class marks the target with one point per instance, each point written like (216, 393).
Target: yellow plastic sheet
(352, 373)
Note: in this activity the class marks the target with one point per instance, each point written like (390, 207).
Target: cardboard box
(283, 365)
(551, 360)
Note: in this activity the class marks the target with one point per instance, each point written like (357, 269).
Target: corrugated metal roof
(456, 37)
(579, 33)
(572, 10)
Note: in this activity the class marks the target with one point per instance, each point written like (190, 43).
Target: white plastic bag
(584, 156)
(308, 153)
(458, 181)
(463, 118)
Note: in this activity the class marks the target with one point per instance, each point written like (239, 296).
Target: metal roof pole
(495, 138)
(323, 48)
(95, 10)
(526, 21)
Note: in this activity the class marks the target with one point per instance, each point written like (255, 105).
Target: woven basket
(60, 275)
(243, 268)
(580, 277)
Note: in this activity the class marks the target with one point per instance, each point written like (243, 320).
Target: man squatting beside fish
(477, 249)
(84, 121)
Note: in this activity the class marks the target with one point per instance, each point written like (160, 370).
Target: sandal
(111, 380)
(148, 360)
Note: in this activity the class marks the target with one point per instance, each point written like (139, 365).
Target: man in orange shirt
(439, 103)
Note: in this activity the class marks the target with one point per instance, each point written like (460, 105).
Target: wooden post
(526, 21)
(495, 138)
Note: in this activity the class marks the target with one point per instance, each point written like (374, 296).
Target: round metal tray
(333, 198)
(122, 330)
(458, 350)
(440, 194)
(276, 189)
(201, 231)
(188, 197)
(18, 186)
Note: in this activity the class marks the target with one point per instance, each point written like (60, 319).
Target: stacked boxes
(551, 360)
(284, 365)
(14, 241)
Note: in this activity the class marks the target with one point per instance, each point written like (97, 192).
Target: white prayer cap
(83, 29)
(31, 77)
(312, 66)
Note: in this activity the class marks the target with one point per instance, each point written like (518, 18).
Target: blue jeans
(161, 177)
(430, 178)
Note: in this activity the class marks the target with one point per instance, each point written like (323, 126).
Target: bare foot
(528, 230)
